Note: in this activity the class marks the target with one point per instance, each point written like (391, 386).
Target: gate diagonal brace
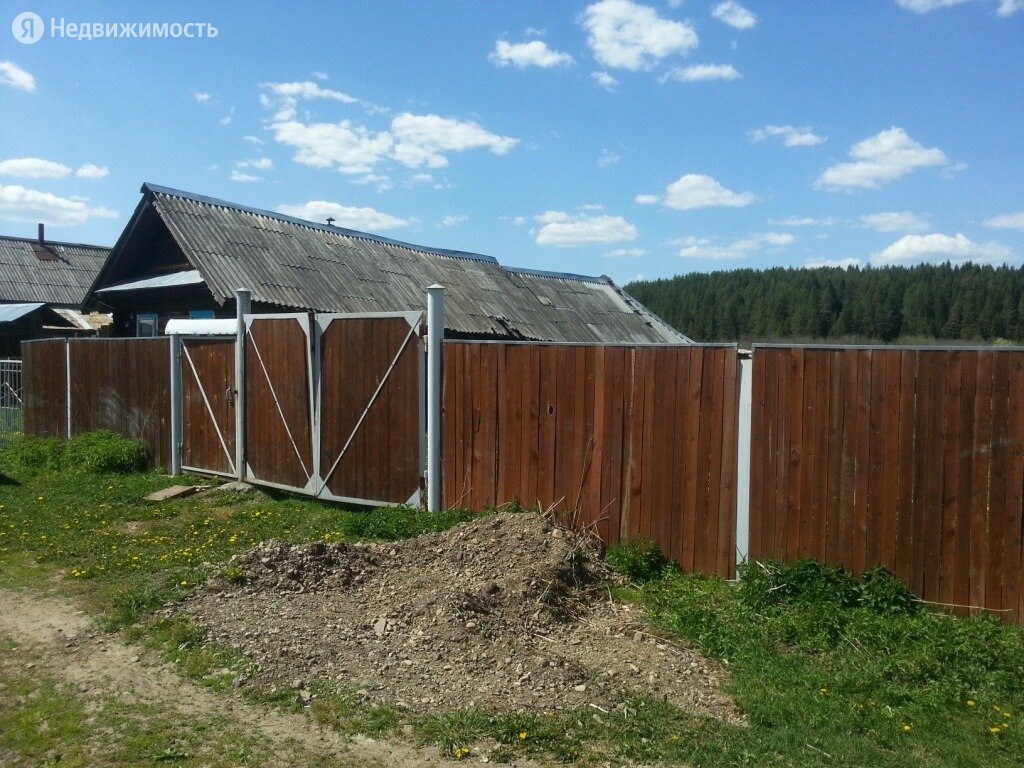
(369, 405)
(209, 408)
(277, 403)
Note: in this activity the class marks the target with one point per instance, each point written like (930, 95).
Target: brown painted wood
(906, 482)
(727, 499)
(888, 509)
(123, 385)
(996, 589)
(981, 472)
(44, 388)
(209, 379)
(758, 452)
(967, 455)
(1014, 553)
(691, 458)
(945, 547)
(876, 461)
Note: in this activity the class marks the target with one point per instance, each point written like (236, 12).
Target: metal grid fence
(10, 400)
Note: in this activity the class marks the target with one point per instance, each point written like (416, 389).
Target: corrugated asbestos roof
(300, 264)
(24, 277)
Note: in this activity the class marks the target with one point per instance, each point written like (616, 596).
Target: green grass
(129, 557)
(831, 670)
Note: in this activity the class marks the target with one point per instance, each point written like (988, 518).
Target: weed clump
(103, 451)
(638, 559)
(33, 453)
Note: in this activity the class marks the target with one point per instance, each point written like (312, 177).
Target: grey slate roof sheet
(65, 280)
(305, 265)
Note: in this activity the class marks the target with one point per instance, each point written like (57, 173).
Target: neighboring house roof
(11, 312)
(63, 278)
(301, 264)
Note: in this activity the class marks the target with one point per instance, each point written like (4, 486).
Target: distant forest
(967, 302)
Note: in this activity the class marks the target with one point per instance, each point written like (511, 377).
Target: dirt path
(66, 644)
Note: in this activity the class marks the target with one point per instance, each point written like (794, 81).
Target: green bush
(765, 583)
(33, 453)
(104, 451)
(882, 592)
(639, 559)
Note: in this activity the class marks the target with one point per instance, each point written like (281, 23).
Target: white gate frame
(415, 321)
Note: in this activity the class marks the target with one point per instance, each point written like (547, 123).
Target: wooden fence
(637, 441)
(118, 384)
(910, 459)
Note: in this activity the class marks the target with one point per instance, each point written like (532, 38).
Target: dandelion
(972, 703)
(823, 690)
(907, 727)
(523, 735)
(460, 752)
(995, 708)
(995, 729)
(183, 583)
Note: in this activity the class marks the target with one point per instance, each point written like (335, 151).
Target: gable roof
(294, 263)
(24, 277)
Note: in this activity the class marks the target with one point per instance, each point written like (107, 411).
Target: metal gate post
(743, 459)
(243, 307)
(176, 405)
(435, 337)
(67, 370)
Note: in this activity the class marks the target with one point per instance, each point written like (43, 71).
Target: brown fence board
(123, 385)
(208, 404)
(45, 388)
(632, 441)
(278, 435)
(922, 470)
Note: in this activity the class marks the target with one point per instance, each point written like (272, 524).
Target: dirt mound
(504, 612)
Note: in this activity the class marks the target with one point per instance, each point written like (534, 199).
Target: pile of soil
(504, 612)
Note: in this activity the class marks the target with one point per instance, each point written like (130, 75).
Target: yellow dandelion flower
(995, 729)
(182, 583)
(972, 703)
(824, 690)
(907, 727)
(995, 708)
(523, 735)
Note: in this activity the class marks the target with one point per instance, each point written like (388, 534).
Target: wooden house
(183, 255)
(43, 284)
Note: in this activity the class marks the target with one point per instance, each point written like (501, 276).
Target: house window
(146, 324)
(200, 314)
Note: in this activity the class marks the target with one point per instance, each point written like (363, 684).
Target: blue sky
(614, 137)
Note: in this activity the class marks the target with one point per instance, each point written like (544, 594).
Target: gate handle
(229, 395)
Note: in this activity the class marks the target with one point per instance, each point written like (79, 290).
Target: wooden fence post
(176, 406)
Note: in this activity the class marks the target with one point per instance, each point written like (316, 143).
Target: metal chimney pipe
(42, 238)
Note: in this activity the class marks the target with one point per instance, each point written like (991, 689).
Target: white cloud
(20, 204)
(226, 120)
(258, 164)
(607, 158)
(16, 77)
(1010, 7)
(253, 140)
(1007, 220)
(567, 231)
(804, 221)
(847, 263)
(791, 137)
(91, 171)
(420, 140)
(701, 248)
(627, 253)
(605, 80)
(202, 97)
(927, 6)
(879, 159)
(936, 247)
(421, 178)
(701, 73)
(379, 181)
(735, 15)
(695, 190)
(33, 168)
(365, 219)
(532, 54)
(306, 91)
(320, 75)
(350, 148)
(892, 221)
(519, 221)
(630, 36)
(453, 220)
(243, 177)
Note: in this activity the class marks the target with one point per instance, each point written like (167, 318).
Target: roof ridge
(48, 241)
(206, 200)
